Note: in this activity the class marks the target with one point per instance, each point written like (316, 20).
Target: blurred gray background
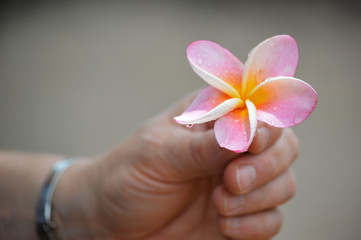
(77, 77)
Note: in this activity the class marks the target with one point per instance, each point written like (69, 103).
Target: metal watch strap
(45, 227)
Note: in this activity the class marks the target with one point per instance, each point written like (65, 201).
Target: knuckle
(278, 222)
(197, 154)
(292, 186)
(148, 142)
(268, 226)
(220, 201)
(222, 221)
(270, 163)
(293, 143)
(276, 133)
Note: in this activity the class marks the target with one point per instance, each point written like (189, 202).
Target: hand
(172, 182)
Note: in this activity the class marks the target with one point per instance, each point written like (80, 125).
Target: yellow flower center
(241, 104)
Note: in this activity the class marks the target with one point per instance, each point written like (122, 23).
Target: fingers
(208, 158)
(205, 156)
(262, 225)
(266, 136)
(249, 171)
(254, 183)
(269, 196)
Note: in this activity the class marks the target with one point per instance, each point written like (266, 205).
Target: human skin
(165, 181)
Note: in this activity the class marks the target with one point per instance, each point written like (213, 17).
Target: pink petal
(276, 56)
(236, 130)
(283, 101)
(209, 105)
(216, 65)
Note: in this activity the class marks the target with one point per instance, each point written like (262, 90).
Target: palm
(171, 204)
(195, 219)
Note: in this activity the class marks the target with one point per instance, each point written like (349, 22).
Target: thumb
(204, 156)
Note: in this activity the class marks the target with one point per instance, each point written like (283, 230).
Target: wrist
(20, 193)
(75, 206)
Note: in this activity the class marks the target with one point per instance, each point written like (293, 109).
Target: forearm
(75, 209)
(21, 178)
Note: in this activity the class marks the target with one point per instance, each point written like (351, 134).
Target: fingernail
(246, 177)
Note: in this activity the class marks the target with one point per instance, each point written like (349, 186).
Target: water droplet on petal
(299, 117)
(244, 133)
(200, 60)
(274, 108)
(189, 125)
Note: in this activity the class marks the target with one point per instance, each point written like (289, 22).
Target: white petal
(215, 81)
(252, 114)
(222, 109)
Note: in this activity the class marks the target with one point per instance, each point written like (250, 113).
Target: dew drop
(189, 125)
(200, 60)
(244, 133)
(274, 108)
(299, 117)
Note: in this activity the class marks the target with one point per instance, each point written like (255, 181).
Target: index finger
(266, 136)
(251, 171)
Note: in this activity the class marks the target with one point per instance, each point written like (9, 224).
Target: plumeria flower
(239, 95)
